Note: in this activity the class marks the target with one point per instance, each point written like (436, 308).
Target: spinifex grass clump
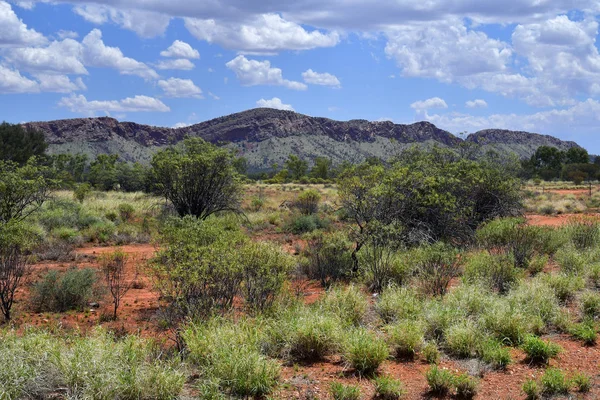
(538, 350)
(364, 351)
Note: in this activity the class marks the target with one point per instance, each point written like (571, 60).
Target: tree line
(550, 163)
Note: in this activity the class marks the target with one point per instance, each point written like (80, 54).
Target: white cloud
(174, 87)
(181, 64)
(181, 125)
(64, 57)
(63, 34)
(79, 104)
(276, 103)
(59, 83)
(434, 102)
(97, 54)
(266, 33)
(445, 51)
(11, 81)
(146, 24)
(252, 73)
(477, 103)
(214, 96)
(324, 79)
(180, 49)
(14, 32)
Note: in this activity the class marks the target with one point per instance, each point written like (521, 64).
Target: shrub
(399, 304)
(495, 271)
(340, 391)
(307, 202)
(430, 353)
(387, 388)
(462, 339)
(554, 382)
(126, 211)
(329, 257)
(257, 203)
(466, 386)
(493, 353)
(440, 381)
(590, 304)
(60, 292)
(586, 332)
(570, 260)
(307, 223)
(537, 264)
(531, 389)
(539, 351)
(265, 268)
(437, 265)
(349, 303)
(406, 338)
(81, 192)
(582, 382)
(364, 351)
(584, 233)
(565, 286)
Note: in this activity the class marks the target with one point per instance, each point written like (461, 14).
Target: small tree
(114, 269)
(296, 166)
(19, 144)
(13, 269)
(198, 178)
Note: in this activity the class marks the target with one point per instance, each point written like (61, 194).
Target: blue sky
(464, 65)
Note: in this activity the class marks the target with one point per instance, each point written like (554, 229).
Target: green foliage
(126, 211)
(198, 178)
(387, 388)
(440, 381)
(437, 265)
(590, 304)
(582, 382)
(307, 223)
(554, 382)
(377, 258)
(466, 386)
(103, 172)
(18, 144)
(584, 233)
(430, 353)
(538, 350)
(495, 271)
(59, 292)
(296, 166)
(494, 353)
(570, 260)
(586, 332)
(329, 257)
(531, 389)
(364, 351)
(340, 391)
(349, 303)
(399, 304)
(81, 191)
(564, 285)
(406, 338)
(307, 202)
(462, 339)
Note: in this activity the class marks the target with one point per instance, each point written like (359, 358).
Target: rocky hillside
(267, 136)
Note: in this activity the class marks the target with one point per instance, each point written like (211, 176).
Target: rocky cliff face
(266, 136)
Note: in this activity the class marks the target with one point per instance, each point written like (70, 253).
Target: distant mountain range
(267, 136)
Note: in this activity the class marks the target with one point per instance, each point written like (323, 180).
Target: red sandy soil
(575, 192)
(556, 220)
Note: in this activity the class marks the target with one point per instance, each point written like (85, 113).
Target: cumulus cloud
(477, 103)
(324, 79)
(181, 125)
(60, 57)
(79, 104)
(266, 33)
(253, 73)
(63, 34)
(180, 49)
(97, 54)
(175, 87)
(434, 102)
(59, 83)
(11, 81)
(14, 32)
(145, 23)
(276, 103)
(181, 64)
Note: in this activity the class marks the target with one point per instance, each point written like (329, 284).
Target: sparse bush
(590, 304)
(126, 211)
(496, 271)
(537, 264)
(405, 338)
(364, 351)
(113, 266)
(584, 233)
(387, 388)
(307, 223)
(349, 303)
(340, 391)
(531, 389)
(399, 304)
(538, 350)
(81, 192)
(437, 265)
(565, 286)
(570, 260)
(462, 339)
(466, 386)
(554, 382)
(329, 257)
(307, 202)
(440, 381)
(430, 353)
(60, 292)
(586, 332)
(493, 353)
(582, 382)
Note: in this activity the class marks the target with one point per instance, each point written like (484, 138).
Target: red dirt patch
(557, 220)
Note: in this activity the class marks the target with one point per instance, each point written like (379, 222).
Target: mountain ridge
(267, 136)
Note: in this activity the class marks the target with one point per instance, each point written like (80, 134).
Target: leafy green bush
(590, 304)
(554, 382)
(586, 332)
(565, 286)
(437, 265)
(466, 386)
(126, 211)
(307, 223)
(405, 338)
(440, 381)
(349, 303)
(493, 353)
(59, 292)
(399, 304)
(538, 350)
(387, 388)
(570, 260)
(364, 351)
(430, 353)
(582, 382)
(340, 391)
(495, 271)
(531, 389)
(584, 233)
(462, 339)
(307, 202)
(329, 257)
